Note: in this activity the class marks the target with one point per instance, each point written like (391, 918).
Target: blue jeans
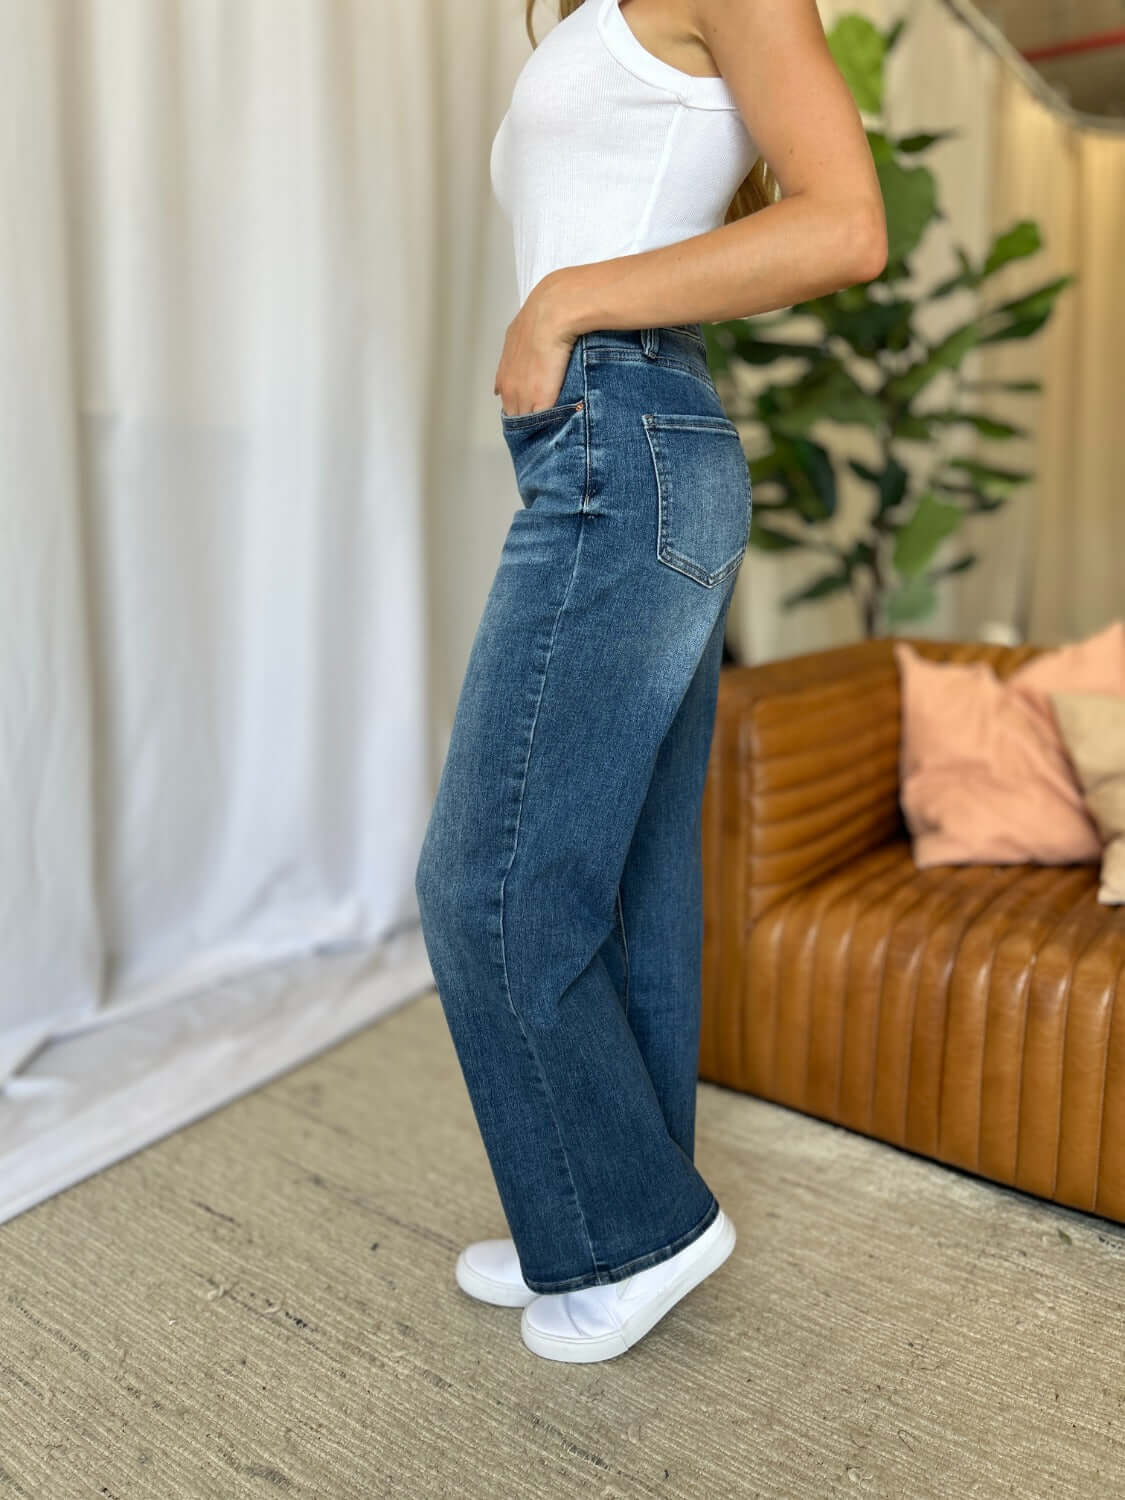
(560, 877)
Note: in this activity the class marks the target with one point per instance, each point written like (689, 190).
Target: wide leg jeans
(559, 880)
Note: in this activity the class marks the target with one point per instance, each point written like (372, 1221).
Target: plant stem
(879, 580)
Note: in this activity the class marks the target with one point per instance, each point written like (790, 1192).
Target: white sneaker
(599, 1322)
(490, 1272)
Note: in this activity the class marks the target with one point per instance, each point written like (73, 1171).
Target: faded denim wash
(560, 877)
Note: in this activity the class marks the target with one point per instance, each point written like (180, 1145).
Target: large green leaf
(989, 427)
(911, 428)
(1023, 316)
(912, 600)
(864, 471)
(827, 394)
(820, 588)
(981, 500)
(766, 467)
(892, 486)
(910, 200)
(1017, 387)
(718, 342)
(923, 534)
(894, 271)
(988, 476)
(802, 471)
(890, 483)
(867, 325)
(1034, 303)
(1022, 328)
(959, 565)
(860, 49)
(732, 338)
(809, 478)
(947, 355)
(767, 539)
(1017, 243)
(966, 277)
(768, 351)
(914, 145)
(1022, 240)
(861, 555)
(881, 148)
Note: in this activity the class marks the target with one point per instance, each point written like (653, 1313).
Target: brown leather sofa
(964, 1012)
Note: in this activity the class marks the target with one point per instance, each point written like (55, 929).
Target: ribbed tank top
(607, 150)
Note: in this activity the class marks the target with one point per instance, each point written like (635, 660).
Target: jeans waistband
(673, 338)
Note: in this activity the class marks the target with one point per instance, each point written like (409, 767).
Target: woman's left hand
(537, 349)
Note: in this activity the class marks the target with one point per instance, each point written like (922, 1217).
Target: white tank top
(607, 150)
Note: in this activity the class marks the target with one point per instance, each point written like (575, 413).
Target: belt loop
(650, 342)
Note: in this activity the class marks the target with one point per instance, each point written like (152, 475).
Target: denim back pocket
(703, 488)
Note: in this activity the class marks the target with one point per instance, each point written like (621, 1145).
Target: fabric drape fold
(217, 231)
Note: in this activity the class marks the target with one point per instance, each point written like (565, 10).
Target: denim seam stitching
(675, 421)
(680, 332)
(624, 944)
(639, 1262)
(675, 329)
(585, 431)
(614, 353)
(503, 946)
(665, 552)
(606, 356)
(545, 414)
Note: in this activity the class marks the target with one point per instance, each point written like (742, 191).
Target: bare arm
(827, 232)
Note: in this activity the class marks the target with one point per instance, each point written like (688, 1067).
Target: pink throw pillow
(984, 774)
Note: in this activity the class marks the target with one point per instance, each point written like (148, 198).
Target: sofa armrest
(804, 771)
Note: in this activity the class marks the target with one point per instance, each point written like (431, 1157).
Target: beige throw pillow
(985, 777)
(1093, 731)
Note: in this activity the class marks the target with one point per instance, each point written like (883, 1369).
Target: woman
(559, 881)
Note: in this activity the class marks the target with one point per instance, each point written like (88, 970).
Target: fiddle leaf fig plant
(872, 366)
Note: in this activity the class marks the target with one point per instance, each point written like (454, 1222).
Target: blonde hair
(758, 189)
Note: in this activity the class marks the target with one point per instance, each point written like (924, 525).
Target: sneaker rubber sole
(609, 1345)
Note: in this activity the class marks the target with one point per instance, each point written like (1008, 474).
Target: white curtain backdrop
(252, 495)
(220, 252)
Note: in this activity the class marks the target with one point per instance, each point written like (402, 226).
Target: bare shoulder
(797, 108)
(751, 22)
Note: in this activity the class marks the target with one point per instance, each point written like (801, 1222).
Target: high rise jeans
(560, 877)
